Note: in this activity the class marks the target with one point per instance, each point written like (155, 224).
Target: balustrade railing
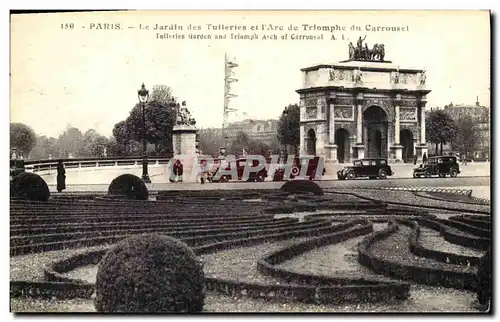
(47, 165)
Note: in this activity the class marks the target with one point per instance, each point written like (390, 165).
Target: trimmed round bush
(29, 186)
(302, 186)
(150, 274)
(128, 186)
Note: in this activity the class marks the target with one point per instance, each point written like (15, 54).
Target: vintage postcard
(250, 161)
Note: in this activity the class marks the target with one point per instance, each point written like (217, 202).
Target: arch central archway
(375, 132)
(343, 145)
(406, 138)
(311, 142)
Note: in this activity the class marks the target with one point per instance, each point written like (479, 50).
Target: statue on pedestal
(361, 52)
(184, 116)
(423, 78)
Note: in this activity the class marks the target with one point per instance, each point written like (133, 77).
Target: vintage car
(312, 168)
(212, 176)
(372, 168)
(438, 166)
(16, 167)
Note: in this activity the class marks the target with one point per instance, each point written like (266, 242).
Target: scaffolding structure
(229, 78)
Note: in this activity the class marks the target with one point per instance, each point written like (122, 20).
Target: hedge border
(419, 274)
(418, 249)
(471, 241)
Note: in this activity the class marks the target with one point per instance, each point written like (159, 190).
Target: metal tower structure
(228, 79)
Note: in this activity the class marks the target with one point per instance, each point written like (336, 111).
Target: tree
(289, 127)
(70, 142)
(23, 138)
(240, 142)
(440, 128)
(210, 141)
(159, 121)
(466, 135)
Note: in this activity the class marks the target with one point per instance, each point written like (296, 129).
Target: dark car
(312, 168)
(438, 166)
(261, 175)
(16, 167)
(371, 168)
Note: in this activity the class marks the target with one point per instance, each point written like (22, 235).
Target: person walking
(415, 159)
(61, 176)
(424, 158)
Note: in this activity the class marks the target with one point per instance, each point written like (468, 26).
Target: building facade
(362, 107)
(262, 130)
(481, 116)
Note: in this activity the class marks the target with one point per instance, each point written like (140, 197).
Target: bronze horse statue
(377, 52)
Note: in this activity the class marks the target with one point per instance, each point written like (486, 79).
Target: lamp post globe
(143, 95)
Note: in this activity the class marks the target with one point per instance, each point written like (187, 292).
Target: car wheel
(427, 174)
(415, 175)
(351, 175)
(442, 175)
(260, 178)
(382, 174)
(224, 179)
(453, 173)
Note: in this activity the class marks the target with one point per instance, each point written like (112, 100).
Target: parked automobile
(261, 175)
(312, 168)
(16, 167)
(372, 168)
(438, 166)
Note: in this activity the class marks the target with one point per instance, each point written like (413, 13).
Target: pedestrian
(61, 176)
(424, 158)
(415, 159)
(178, 170)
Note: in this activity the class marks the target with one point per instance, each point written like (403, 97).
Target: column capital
(398, 100)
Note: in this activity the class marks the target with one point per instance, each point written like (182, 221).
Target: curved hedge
(150, 274)
(420, 274)
(129, 187)
(29, 186)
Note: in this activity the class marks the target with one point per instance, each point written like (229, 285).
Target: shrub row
(195, 234)
(191, 240)
(205, 224)
(53, 272)
(330, 289)
(455, 236)
(50, 290)
(418, 249)
(419, 274)
(482, 222)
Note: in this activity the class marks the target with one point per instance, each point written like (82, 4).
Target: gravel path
(333, 260)
(30, 267)
(431, 239)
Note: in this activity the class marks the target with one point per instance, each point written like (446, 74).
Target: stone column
(422, 123)
(331, 147)
(422, 147)
(359, 126)
(302, 149)
(397, 147)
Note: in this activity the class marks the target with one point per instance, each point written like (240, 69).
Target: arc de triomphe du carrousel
(363, 107)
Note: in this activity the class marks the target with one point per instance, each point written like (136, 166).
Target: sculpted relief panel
(408, 114)
(343, 112)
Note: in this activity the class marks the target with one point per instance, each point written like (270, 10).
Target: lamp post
(143, 95)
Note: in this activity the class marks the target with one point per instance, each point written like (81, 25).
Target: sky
(88, 77)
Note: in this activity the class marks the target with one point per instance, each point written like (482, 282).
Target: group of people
(424, 158)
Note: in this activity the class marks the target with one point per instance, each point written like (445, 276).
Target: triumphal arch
(363, 107)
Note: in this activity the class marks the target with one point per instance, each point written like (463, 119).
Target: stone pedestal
(184, 145)
(361, 150)
(397, 149)
(421, 149)
(331, 153)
